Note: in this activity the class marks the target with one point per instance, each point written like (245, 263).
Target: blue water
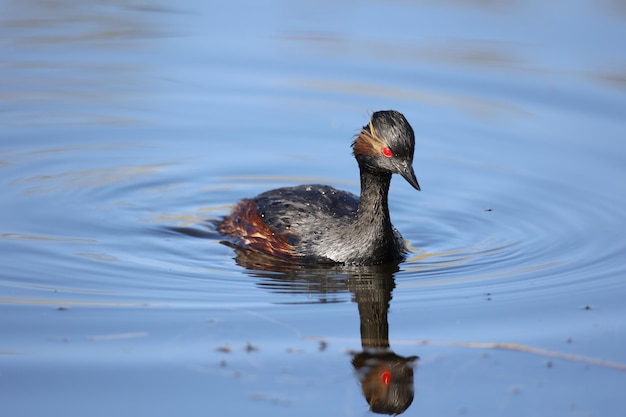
(127, 128)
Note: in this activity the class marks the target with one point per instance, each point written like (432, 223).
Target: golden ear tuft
(368, 142)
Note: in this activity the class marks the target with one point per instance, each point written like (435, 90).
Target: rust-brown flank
(247, 226)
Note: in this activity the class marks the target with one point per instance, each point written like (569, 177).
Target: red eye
(387, 152)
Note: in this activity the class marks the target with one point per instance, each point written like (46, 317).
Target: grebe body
(318, 223)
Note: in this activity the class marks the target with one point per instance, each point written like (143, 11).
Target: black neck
(373, 206)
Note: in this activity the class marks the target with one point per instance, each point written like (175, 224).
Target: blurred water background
(126, 127)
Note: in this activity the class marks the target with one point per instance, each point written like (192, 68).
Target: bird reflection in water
(386, 378)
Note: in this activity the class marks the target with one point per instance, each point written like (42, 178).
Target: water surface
(127, 128)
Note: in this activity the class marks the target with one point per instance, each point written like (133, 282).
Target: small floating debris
(251, 348)
(323, 345)
(224, 349)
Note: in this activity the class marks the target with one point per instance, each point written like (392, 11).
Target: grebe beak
(406, 170)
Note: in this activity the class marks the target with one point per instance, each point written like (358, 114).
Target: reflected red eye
(387, 152)
(385, 377)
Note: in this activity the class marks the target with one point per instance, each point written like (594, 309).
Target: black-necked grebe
(317, 223)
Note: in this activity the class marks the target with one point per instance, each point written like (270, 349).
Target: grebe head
(387, 144)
